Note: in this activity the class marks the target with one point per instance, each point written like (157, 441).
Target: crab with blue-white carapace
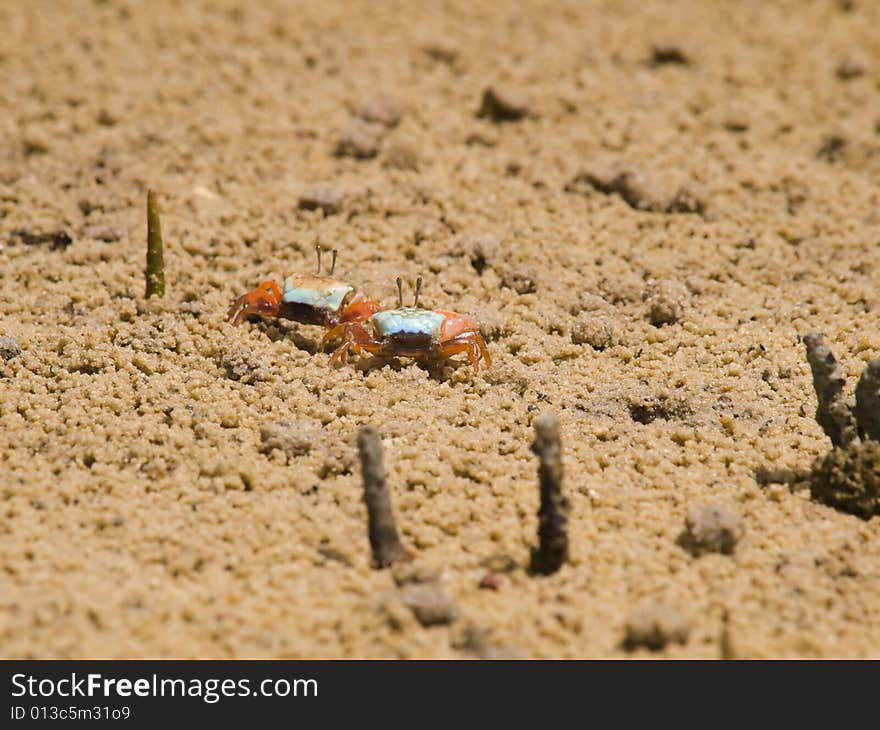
(307, 299)
(412, 332)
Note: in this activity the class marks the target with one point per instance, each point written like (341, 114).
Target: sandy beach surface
(646, 213)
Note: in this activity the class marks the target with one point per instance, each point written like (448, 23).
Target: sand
(662, 199)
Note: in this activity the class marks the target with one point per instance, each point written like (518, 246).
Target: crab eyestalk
(318, 251)
(155, 261)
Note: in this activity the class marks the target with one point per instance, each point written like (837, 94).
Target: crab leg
(484, 350)
(470, 344)
(453, 348)
(356, 338)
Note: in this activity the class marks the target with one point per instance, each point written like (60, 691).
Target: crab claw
(265, 299)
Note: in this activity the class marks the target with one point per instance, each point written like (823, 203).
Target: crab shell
(315, 299)
(412, 331)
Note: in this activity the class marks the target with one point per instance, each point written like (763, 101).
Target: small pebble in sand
(851, 67)
(593, 330)
(659, 406)
(401, 156)
(9, 348)
(56, 240)
(339, 459)
(640, 188)
(654, 625)
(711, 528)
(481, 249)
(338, 556)
(500, 563)
(35, 143)
(428, 230)
(522, 279)
(736, 121)
(470, 638)
(476, 641)
(831, 147)
(360, 140)
(626, 287)
(666, 301)
(396, 612)
(421, 591)
(415, 571)
(482, 138)
(328, 198)
(106, 233)
(503, 105)
(382, 109)
(442, 51)
(244, 366)
(291, 438)
(430, 604)
(669, 54)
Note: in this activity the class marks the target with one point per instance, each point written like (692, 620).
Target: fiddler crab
(363, 323)
(412, 332)
(307, 299)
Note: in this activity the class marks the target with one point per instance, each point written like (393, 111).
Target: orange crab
(412, 332)
(307, 299)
